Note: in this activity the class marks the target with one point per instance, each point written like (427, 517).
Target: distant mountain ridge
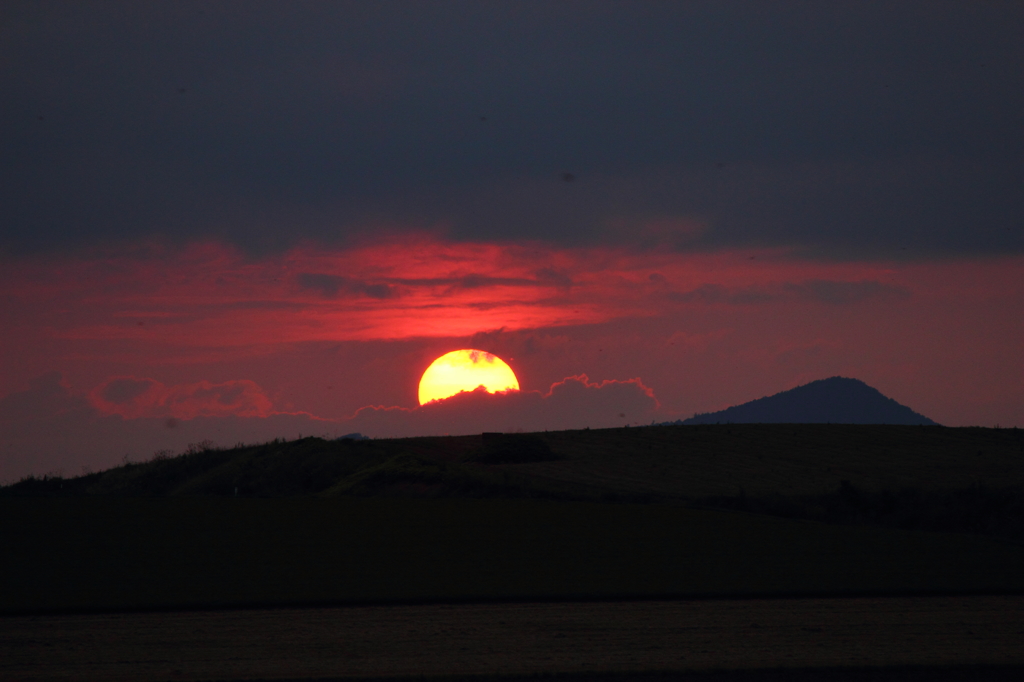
(837, 400)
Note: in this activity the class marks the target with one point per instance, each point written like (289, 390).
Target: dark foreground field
(99, 553)
(931, 638)
(763, 552)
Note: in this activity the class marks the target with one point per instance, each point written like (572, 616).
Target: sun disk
(465, 370)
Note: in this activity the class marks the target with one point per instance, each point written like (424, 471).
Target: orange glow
(466, 370)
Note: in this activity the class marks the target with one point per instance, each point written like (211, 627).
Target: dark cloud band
(844, 128)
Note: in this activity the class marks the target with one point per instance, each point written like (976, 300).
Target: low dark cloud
(716, 293)
(841, 293)
(553, 277)
(334, 286)
(478, 281)
(124, 390)
(544, 277)
(331, 286)
(137, 397)
(818, 290)
(845, 129)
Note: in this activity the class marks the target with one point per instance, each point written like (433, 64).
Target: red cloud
(50, 428)
(572, 403)
(209, 296)
(135, 398)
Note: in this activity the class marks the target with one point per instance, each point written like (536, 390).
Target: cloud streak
(49, 428)
(134, 398)
(832, 292)
(331, 286)
(210, 295)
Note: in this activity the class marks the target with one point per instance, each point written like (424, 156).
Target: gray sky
(849, 129)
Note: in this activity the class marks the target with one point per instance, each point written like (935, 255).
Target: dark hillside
(828, 401)
(695, 462)
(310, 466)
(307, 522)
(647, 463)
(928, 477)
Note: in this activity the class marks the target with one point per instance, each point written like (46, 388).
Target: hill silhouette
(837, 400)
(603, 513)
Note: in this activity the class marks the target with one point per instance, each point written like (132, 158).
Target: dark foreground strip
(572, 598)
(961, 673)
(905, 638)
(126, 554)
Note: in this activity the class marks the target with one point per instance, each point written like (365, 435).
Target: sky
(236, 221)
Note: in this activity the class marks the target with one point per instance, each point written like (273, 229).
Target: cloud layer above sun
(210, 295)
(50, 429)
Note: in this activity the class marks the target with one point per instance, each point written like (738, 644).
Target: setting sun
(466, 370)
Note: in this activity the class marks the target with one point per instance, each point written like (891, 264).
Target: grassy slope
(129, 553)
(789, 459)
(310, 523)
(664, 463)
